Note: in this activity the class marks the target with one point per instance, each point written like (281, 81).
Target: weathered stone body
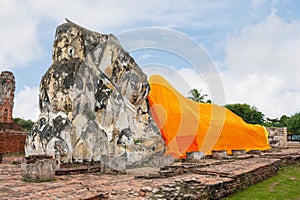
(277, 137)
(7, 89)
(93, 103)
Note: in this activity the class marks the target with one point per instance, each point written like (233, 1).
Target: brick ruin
(208, 178)
(277, 136)
(7, 89)
(12, 135)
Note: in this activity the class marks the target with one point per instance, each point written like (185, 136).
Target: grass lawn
(13, 154)
(285, 185)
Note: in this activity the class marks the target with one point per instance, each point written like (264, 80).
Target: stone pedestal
(38, 168)
(219, 154)
(238, 152)
(193, 157)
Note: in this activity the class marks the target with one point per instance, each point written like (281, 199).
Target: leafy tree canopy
(282, 122)
(249, 114)
(26, 124)
(293, 124)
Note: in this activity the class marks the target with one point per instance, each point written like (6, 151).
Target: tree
(198, 97)
(282, 122)
(249, 114)
(26, 124)
(272, 122)
(293, 124)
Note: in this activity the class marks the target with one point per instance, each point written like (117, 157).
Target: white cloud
(26, 104)
(105, 15)
(18, 35)
(143, 57)
(183, 79)
(21, 21)
(264, 66)
(258, 3)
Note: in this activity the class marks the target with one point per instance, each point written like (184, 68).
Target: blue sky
(253, 45)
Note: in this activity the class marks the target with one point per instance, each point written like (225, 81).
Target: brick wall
(12, 142)
(213, 182)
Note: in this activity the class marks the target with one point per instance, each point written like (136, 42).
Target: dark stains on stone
(68, 107)
(46, 97)
(102, 94)
(42, 121)
(59, 123)
(89, 86)
(68, 69)
(90, 43)
(79, 83)
(61, 147)
(124, 133)
(47, 133)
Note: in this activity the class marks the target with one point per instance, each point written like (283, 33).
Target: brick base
(12, 142)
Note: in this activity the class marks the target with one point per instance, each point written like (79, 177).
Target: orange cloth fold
(188, 126)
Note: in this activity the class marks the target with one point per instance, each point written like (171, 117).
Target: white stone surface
(93, 103)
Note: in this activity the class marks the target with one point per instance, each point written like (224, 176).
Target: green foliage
(13, 154)
(38, 181)
(285, 185)
(250, 114)
(26, 124)
(137, 141)
(293, 124)
(198, 97)
(282, 122)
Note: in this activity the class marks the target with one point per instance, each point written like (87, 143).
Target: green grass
(13, 154)
(38, 181)
(285, 185)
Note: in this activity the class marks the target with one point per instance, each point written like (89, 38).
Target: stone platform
(210, 179)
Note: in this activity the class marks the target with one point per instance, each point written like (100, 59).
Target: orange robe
(188, 126)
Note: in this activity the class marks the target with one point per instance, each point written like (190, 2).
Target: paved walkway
(82, 186)
(104, 186)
